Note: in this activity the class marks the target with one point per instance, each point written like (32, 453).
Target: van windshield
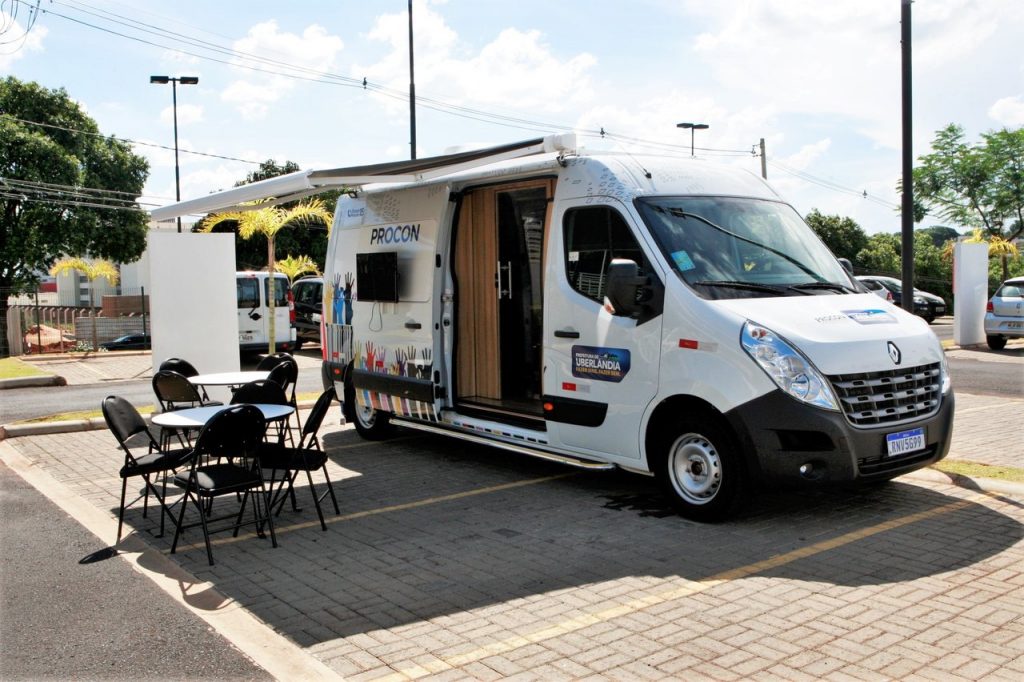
(728, 247)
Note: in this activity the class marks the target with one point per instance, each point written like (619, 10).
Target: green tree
(940, 234)
(251, 254)
(978, 186)
(293, 266)
(92, 271)
(843, 236)
(66, 190)
(881, 254)
(268, 222)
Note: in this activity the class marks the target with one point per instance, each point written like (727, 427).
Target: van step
(505, 445)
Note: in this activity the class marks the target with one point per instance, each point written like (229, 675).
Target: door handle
(566, 334)
(413, 325)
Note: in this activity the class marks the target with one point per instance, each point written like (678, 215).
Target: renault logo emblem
(894, 353)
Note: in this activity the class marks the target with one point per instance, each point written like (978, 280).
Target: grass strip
(963, 467)
(13, 368)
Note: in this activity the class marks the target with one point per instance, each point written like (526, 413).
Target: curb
(984, 485)
(26, 382)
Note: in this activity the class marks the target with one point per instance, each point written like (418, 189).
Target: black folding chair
(287, 375)
(265, 392)
(233, 437)
(125, 422)
(185, 369)
(307, 456)
(175, 392)
(273, 360)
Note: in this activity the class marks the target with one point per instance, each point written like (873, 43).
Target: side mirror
(627, 289)
(847, 265)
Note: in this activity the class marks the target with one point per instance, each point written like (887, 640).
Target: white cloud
(516, 66)
(808, 154)
(312, 52)
(17, 44)
(187, 113)
(1008, 111)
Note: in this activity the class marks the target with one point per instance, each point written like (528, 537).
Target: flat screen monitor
(377, 276)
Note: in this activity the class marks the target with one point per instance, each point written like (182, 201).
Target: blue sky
(820, 81)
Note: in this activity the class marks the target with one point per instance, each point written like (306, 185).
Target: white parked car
(1004, 315)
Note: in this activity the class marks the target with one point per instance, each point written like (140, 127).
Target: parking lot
(470, 563)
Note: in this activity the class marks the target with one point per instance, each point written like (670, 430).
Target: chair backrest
(284, 374)
(182, 367)
(235, 431)
(123, 420)
(271, 361)
(173, 390)
(264, 392)
(316, 417)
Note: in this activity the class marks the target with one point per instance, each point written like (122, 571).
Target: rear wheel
(699, 467)
(371, 424)
(996, 342)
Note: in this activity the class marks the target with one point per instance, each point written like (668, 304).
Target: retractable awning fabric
(306, 183)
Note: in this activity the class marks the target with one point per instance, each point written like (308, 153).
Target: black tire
(996, 342)
(929, 319)
(371, 424)
(297, 345)
(701, 469)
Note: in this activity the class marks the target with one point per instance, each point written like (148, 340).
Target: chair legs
(281, 495)
(204, 505)
(161, 498)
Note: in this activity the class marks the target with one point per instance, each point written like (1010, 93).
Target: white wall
(193, 301)
(970, 293)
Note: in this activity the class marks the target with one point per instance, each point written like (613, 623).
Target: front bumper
(781, 435)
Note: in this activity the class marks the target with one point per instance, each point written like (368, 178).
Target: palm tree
(293, 266)
(268, 222)
(92, 271)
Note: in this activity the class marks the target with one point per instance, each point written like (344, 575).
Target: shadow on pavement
(431, 527)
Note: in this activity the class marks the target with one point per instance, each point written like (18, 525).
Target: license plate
(905, 442)
(940, 310)
(1015, 325)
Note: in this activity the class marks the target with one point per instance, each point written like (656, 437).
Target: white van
(254, 312)
(661, 315)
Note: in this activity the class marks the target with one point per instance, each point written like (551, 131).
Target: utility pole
(764, 162)
(412, 91)
(907, 209)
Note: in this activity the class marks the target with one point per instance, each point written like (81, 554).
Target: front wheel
(996, 342)
(699, 467)
(370, 423)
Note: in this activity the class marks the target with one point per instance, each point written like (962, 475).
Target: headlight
(947, 382)
(787, 367)
(918, 299)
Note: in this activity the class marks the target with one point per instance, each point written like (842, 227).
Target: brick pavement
(462, 562)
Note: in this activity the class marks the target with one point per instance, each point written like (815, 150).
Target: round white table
(229, 378)
(196, 417)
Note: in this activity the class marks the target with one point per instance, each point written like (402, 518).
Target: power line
(124, 139)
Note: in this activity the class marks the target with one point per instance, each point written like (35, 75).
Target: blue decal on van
(873, 316)
(602, 364)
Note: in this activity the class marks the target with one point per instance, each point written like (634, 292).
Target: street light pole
(692, 127)
(174, 80)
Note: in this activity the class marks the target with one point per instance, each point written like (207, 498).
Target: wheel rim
(366, 416)
(695, 468)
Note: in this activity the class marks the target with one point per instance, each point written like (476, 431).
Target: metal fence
(36, 322)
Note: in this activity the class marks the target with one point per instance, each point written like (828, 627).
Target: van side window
(280, 291)
(248, 292)
(593, 237)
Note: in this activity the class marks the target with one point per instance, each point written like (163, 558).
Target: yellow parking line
(387, 510)
(686, 589)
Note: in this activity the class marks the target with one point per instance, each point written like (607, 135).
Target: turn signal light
(989, 308)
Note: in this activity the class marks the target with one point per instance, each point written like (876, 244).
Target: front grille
(891, 396)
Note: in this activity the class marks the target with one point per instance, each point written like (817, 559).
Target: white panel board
(970, 293)
(193, 301)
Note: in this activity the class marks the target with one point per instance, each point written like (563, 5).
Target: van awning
(302, 184)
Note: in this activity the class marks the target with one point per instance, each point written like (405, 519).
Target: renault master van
(664, 315)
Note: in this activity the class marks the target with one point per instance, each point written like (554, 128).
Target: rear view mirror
(847, 265)
(627, 289)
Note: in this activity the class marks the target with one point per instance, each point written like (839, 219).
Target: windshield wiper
(831, 286)
(806, 270)
(749, 286)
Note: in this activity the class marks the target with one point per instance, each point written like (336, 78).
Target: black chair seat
(280, 457)
(219, 479)
(155, 462)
